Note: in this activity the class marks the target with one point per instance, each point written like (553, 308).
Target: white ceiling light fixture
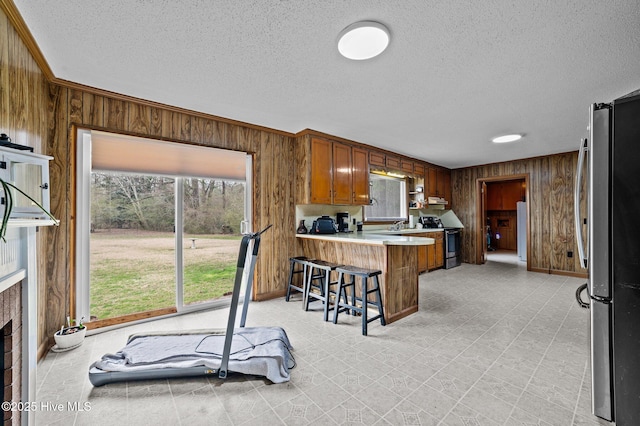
(507, 138)
(363, 40)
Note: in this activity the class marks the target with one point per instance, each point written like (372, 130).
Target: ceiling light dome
(507, 138)
(363, 40)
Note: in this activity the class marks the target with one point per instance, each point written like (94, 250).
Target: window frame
(404, 199)
(80, 303)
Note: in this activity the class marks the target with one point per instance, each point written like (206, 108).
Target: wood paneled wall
(273, 176)
(551, 185)
(23, 116)
(45, 115)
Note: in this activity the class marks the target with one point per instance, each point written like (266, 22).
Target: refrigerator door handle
(579, 299)
(582, 252)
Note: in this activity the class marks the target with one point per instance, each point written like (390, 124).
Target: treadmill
(158, 355)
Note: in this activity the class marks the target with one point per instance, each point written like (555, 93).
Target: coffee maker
(343, 222)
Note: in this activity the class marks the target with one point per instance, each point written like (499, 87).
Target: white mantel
(18, 262)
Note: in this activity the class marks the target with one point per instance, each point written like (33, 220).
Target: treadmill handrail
(233, 308)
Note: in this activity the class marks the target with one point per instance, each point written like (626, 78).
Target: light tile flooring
(491, 345)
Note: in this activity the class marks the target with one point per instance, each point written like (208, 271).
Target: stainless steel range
(451, 248)
(451, 240)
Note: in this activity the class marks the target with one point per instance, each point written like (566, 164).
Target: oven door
(451, 248)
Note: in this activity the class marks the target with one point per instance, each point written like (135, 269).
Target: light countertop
(371, 238)
(404, 231)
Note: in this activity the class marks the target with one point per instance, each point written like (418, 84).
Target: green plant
(8, 195)
(78, 324)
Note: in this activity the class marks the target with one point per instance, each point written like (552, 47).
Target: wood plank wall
(43, 114)
(72, 108)
(551, 185)
(23, 116)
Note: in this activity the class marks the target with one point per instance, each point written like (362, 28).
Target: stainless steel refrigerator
(611, 157)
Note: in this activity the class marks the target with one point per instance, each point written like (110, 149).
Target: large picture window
(158, 228)
(388, 196)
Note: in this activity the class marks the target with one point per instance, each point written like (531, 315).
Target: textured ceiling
(456, 73)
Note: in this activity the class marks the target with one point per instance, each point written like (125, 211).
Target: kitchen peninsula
(396, 256)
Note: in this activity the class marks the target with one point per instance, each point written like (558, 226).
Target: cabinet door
(418, 170)
(360, 177)
(431, 257)
(341, 174)
(393, 163)
(406, 166)
(321, 171)
(422, 255)
(439, 250)
(440, 186)
(377, 159)
(447, 188)
(433, 182)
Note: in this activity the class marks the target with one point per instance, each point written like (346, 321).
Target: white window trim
(83, 237)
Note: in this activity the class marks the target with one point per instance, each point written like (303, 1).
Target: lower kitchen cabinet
(435, 253)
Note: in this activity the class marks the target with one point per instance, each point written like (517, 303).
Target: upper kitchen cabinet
(438, 183)
(337, 174)
(406, 166)
(393, 163)
(360, 176)
(377, 158)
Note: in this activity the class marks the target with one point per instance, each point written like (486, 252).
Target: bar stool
(319, 278)
(293, 261)
(364, 275)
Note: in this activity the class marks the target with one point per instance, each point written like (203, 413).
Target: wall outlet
(569, 254)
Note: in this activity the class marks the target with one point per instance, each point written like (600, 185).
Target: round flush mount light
(363, 40)
(507, 138)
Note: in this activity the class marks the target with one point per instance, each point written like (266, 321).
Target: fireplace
(19, 317)
(11, 351)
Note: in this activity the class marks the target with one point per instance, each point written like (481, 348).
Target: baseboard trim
(560, 272)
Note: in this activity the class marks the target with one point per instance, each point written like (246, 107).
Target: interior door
(483, 212)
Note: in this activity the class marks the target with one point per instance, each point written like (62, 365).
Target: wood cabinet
(406, 166)
(339, 174)
(504, 195)
(435, 253)
(321, 171)
(393, 163)
(438, 183)
(360, 176)
(503, 223)
(422, 255)
(342, 174)
(377, 158)
(418, 170)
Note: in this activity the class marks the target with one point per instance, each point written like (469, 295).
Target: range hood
(437, 201)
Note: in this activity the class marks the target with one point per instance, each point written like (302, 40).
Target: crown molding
(12, 12)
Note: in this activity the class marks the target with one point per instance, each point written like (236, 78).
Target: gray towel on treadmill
(263, 351)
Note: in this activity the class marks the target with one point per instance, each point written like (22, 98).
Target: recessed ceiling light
(507, 138)
(363, 40)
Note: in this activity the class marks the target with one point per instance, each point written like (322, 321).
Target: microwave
(30, 173)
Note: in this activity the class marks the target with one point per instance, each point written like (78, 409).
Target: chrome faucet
(397, 226)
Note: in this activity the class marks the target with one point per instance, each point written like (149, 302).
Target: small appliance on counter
(430, 222)
(343, 222)
(323, 225)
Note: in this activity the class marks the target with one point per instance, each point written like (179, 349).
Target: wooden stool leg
(327, 278)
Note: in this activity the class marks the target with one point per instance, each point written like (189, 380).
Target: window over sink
(388, 198)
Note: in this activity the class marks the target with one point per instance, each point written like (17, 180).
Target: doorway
(503, 220)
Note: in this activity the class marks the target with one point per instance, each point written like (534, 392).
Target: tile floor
(491, 345)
